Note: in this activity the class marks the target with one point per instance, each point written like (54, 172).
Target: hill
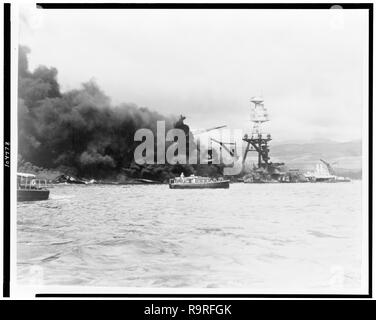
(345, 157)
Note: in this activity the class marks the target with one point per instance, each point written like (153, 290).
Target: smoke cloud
(81, 130)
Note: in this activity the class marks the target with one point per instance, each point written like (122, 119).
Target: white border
(30, 291)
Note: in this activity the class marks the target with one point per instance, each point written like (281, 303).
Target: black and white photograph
(204, 150)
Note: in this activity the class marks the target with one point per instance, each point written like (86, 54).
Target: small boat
(196, 182)
(31, 189)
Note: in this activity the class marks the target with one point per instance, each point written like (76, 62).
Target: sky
(310, 66)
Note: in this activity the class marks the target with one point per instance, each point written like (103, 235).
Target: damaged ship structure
(265, 171)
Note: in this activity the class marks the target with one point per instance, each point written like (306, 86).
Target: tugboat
(31, 189)
(196, 182)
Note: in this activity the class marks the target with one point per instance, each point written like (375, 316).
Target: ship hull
(209, 185)
(32, 195)
(324, 180)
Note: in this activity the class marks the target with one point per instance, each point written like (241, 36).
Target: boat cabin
(27, 181)
(194, 179)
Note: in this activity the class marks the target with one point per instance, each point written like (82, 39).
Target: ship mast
(258, 141)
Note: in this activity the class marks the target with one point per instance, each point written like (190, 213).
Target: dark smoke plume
(79, 129)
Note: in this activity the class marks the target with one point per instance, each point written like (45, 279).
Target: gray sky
(309, 65)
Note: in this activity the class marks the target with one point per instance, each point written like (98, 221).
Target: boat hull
(209, 185)
(32, 195)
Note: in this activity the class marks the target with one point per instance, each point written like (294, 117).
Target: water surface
(254, 236)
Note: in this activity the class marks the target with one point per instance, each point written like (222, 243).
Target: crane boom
(330, 168)
(196, 132)
(223, 145)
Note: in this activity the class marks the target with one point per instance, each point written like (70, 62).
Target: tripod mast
(258, 141)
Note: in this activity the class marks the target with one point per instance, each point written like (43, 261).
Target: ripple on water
(252, 236)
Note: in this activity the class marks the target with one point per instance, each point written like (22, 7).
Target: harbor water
(259, 237)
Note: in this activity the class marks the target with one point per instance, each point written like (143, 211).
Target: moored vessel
(31, 189)
(196, 182)
(325, 173)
